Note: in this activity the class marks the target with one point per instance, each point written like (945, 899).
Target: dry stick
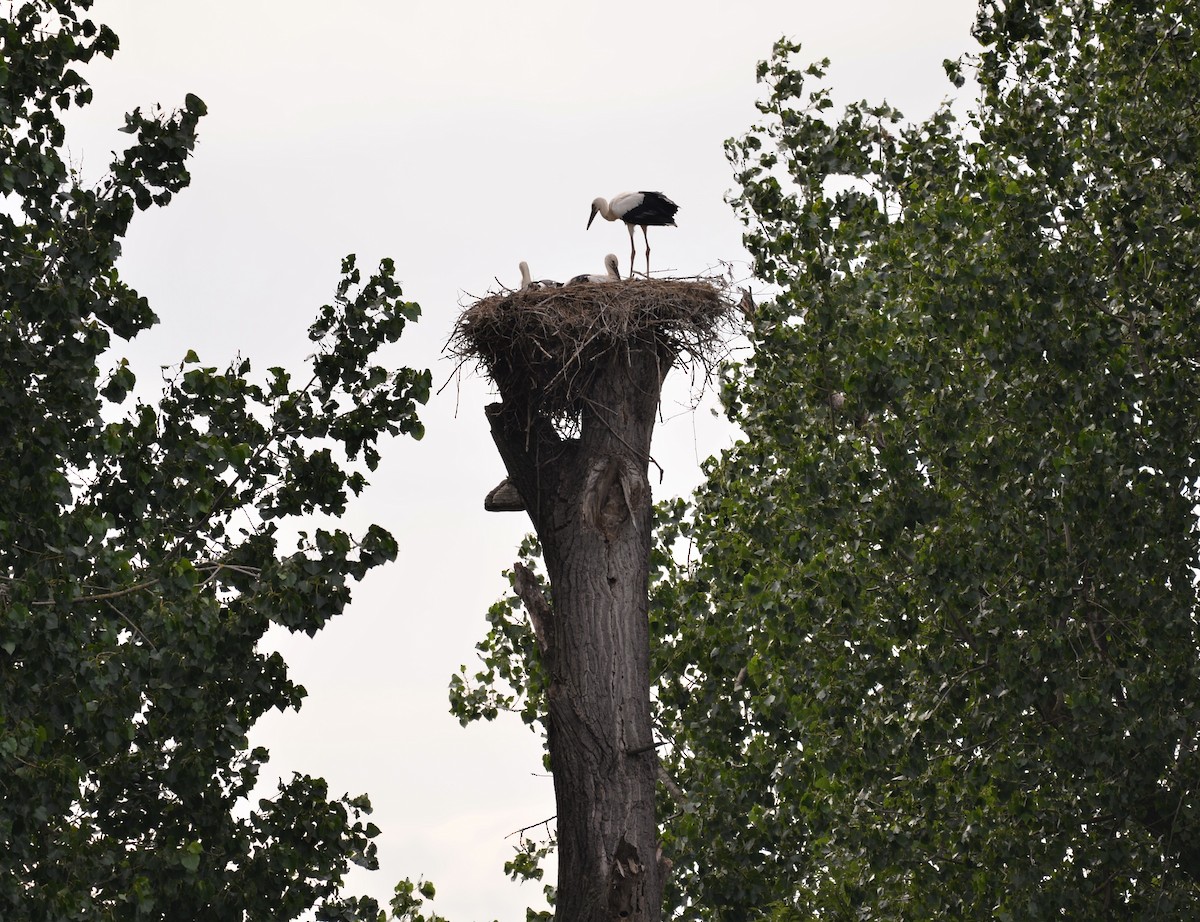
(673, 789)
(146, 584)
(525, 829)
(216, 568)
(137, 630)
(616, 435)
(102, 596)
(454, 374)
(574, 359)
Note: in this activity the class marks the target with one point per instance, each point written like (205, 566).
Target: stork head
(598, 207)
(525, 276)
(610, 264)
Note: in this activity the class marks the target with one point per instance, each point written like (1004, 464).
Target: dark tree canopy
(937, 656)
(142, 549)
(926, 639)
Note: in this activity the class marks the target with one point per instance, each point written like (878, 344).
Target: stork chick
(611, 269)
(527, 283)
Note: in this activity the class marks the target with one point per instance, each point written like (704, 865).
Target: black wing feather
(655, 208)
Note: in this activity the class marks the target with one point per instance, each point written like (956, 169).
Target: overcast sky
(457, 137)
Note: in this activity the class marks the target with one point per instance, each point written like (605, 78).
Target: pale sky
(458, 138)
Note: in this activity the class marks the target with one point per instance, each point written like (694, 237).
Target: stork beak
(592, 216)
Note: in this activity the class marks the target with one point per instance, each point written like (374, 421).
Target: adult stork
(636, 209)
(612, 273)
(527, 282)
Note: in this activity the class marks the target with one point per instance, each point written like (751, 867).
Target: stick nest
(542, 347)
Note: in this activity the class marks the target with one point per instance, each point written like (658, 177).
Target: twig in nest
(543, 348)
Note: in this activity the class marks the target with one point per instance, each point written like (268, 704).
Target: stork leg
(646, 237)
(632, 250)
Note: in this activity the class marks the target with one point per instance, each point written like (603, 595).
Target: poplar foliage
(927, 640)
(146, 545)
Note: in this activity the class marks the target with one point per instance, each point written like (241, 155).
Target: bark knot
(625, 891)
(612, 492)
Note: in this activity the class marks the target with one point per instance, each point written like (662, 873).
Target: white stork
(527, 283)
(636, 209)
(611, 270)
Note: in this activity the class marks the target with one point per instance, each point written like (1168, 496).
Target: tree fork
(589, 501)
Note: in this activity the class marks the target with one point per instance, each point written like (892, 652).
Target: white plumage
(528, 283)
(611, 269)
(636, 209)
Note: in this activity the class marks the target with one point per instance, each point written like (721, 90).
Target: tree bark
(589, 500)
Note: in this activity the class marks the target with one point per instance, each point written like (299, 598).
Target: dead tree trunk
(589, 499)
(590, 360)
